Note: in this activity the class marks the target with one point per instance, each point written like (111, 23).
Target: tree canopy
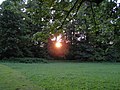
(89, 29)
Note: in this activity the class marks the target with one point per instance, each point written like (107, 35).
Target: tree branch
(93, 15)
(79, 7)
(77, 1)
(68, 14)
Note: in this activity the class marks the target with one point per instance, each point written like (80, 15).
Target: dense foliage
(92, 29)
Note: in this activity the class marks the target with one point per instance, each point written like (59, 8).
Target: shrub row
(25, 60)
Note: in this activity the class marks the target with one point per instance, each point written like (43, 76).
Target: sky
(4, 0)
(1, 1)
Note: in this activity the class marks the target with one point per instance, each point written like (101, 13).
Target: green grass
(11, 79)
(65, 76)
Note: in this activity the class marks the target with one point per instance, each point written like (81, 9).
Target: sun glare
(58, 45)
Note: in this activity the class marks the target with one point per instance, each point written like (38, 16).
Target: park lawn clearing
(71, 76)
(11, 79)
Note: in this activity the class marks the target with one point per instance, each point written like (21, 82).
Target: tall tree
(13, 30)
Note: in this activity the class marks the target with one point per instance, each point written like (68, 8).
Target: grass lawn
(11, 79)
(60, 76)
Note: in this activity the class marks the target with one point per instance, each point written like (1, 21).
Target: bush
(25, 60)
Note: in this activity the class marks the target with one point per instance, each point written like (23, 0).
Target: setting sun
(58, 44)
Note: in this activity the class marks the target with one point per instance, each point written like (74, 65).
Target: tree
(13, 41)
(90, 27)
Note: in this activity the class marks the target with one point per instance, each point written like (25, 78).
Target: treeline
(92, 30)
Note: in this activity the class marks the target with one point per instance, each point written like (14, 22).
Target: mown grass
(71, 76)
(13, 80)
